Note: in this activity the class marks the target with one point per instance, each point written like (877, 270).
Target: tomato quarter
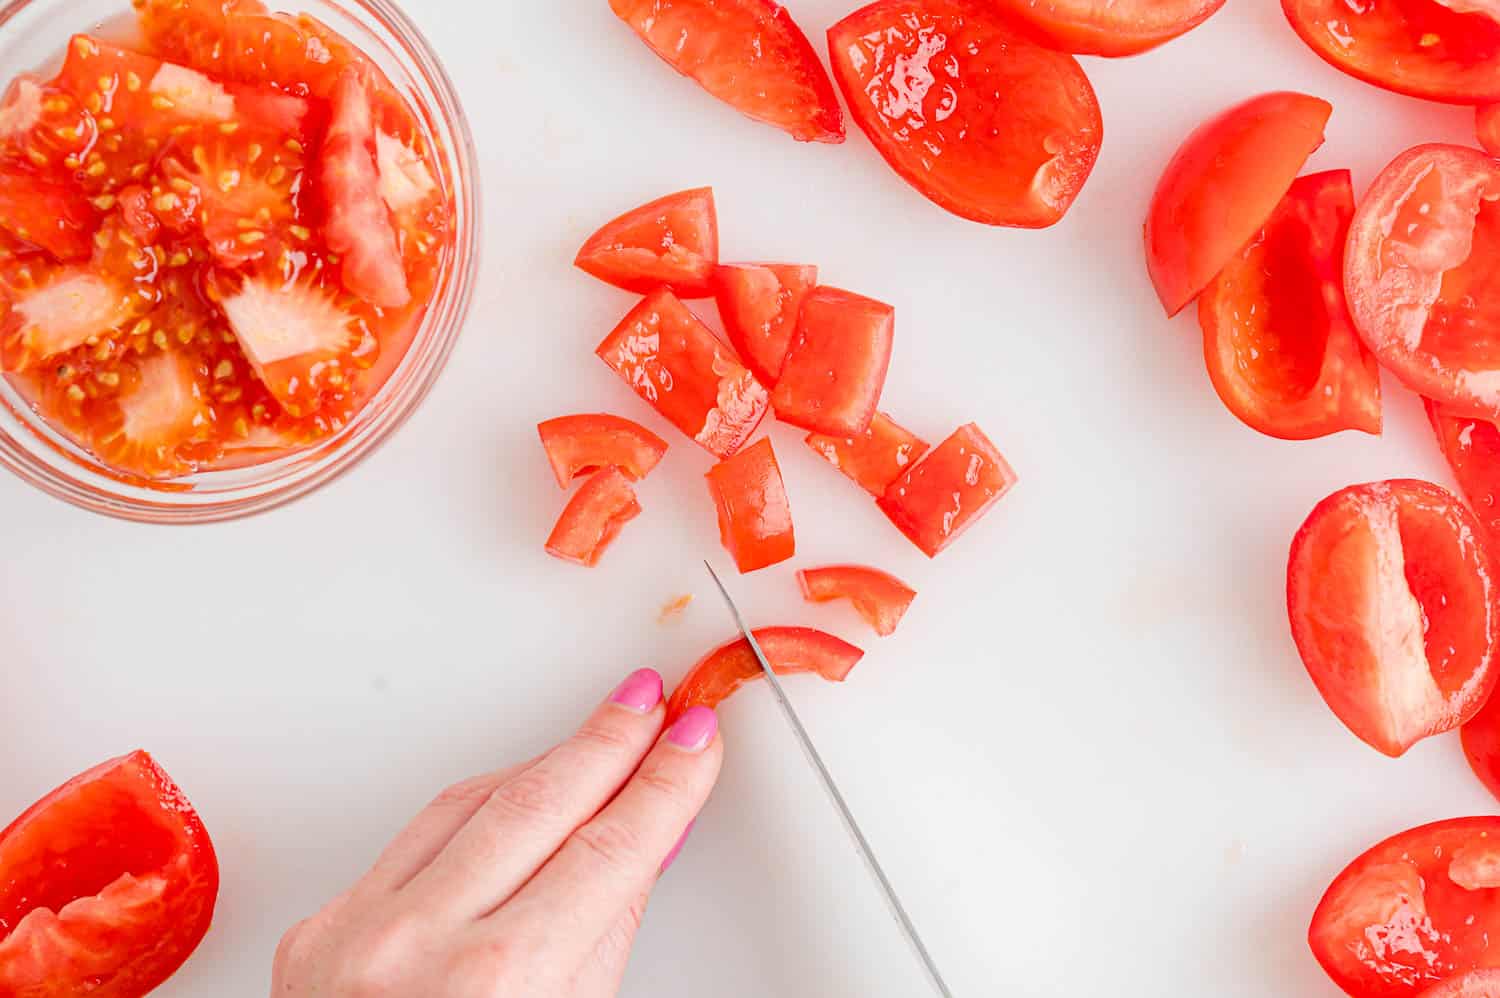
(760, 303)
(593, 518)
(672, 241)
(873, 459)
(879, 597)
(755, 516)
(790, 650)
(581, 445)
(949, 490)
(1118, 28)
(836, 366)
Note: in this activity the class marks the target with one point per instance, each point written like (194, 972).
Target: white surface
(1091, 759)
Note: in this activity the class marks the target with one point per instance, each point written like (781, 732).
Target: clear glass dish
(33, 34)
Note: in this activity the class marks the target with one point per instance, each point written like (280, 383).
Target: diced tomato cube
(947, 491)
(760, 303)
(755, 517)
(672, 241)
(594, 518)
(836, 366)
(873, 459)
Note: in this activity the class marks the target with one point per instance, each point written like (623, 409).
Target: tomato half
(755, 516)
(1394, 607)
(966, 109)
(759, 303)
(1487, 127)
(790, 650)
(593, 518)
(672, 241)
(873, 459)
(836, 365)
(879, 597)
(1118, 28)
(749, 54)
(1472, 447)
(1280, 345)
(581, 445)
(947, 492)
(1479, 984)
(107, 885)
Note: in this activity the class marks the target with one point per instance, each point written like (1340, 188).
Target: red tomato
(1445, 50)
(749, 54)
(1472, 447)
(755, 517)
(759, 303)
(1481, 741)
(790, 650)
(978, 119)
(946, 492)
(673, 241)
(1421, 278)
(43, 126)
(107, 885)
(1393, 603)
(881, 598)
(674, 362)
(1479, 984)
(581, 445)
(875, 458)
(1087, 27)
(1280, 346)
(836, 365)
(594, 518)
(1487, 125)
(55, 217)
(1222, 185)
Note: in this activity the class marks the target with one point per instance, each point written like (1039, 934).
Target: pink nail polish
(695, 729)
(640, 692)
(666, 864)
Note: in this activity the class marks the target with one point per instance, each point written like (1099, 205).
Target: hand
(531, 881)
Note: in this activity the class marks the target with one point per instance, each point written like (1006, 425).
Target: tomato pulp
(1119, 28)
(790, 650)
(755, 516)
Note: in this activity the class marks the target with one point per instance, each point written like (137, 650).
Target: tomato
(790, 650)
(61, 313)
(759, 303)
(836, 365)
(297, 337)
(1487, 127)
(58, 218)
(675, 363)
(1087, 27)
(1222, 185)
(581, 445)
(749, 54)
(673, 241)
(977, 118)
(947, 492)
(873, 459)
(755, 516)
(1472, 447)
(1479, 984)
(1444, 50)
(594, 518)
(107, 885)
(881, 598)
(44, 126)
(1280, 346)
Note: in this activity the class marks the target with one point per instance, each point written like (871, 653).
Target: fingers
(605, 968)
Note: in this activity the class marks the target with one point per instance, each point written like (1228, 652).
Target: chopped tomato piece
(1393, 603)
(107, 885)
(244, 207)
(161, 407)
(759, 303)
(836, 365)
(1222, 185)
(947, 492)
(674, 362)
(594, 518)
(672, 241)
(581, 445)
(1479, 984)
(55, 217)
(875, 458)
(295, 337)
(966, 109)
(1277, 336)
(1487, 126)
(72, 306)
(881, 598)
(44, 126)
(1472, 447)
(1119, 28)
(1481, 742)
(755, 516)
(790, 650)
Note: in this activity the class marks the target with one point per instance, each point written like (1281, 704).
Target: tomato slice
(58, 218)
(1222, 185)
(581, 445)
(749, 54)
(947, 492)
(790, 650)
(1472, 447)
(755, 516)
(1479, 984)
(875, 458)
(879, 597)
(107, 885)
(1487, 126)
(976, 117)
(672, 241)
(1443, 50)
(594, 518)
(836, 365)
(1119, 28)
(759, 303)
(1280, 345)
(1393, 604)
(675, 362)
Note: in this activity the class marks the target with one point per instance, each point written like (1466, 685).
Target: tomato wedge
(976, 117)
(1280, 346)
(1487, 127)
(879, 597)
(790, 650)
(581, 445)
(1472, 447)
(1118, 28)
(672, 241)
(1443, 50)
(755, 516)
(594, 518)
(836, 366)
(759, 303)
(107, 885)
(1393, 604)
(748, 53)
(949, 490)
(674, 362)
(873, 459)
(1479, 984)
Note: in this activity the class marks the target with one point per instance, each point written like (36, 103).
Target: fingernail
(640, 692)
(695, 729)
(666, 864)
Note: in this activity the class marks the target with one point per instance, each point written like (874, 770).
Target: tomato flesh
(1472, 447)
(790, 650)
(977, 118)
(948, 490)
(1479, 984)
(672, 241)
(581, 445)
(1487, 127)
(836, 365)
(760, 303)
(755, 516)
(594, 518)
(1119, 28)
(879, 597)
(873, 459)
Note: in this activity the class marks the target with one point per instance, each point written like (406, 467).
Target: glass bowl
(33, 35)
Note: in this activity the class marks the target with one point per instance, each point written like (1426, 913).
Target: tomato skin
(593, 518)
(1223, 183)
(755, 516)
(873, 459)
(879, 597)
(672, 241)
(979, 119)
(1478, 984)
(581, 445)
(1487, 127)
(790, 650)
(1112, 30)
(836, 365)
(949, 490)
(760, 304)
